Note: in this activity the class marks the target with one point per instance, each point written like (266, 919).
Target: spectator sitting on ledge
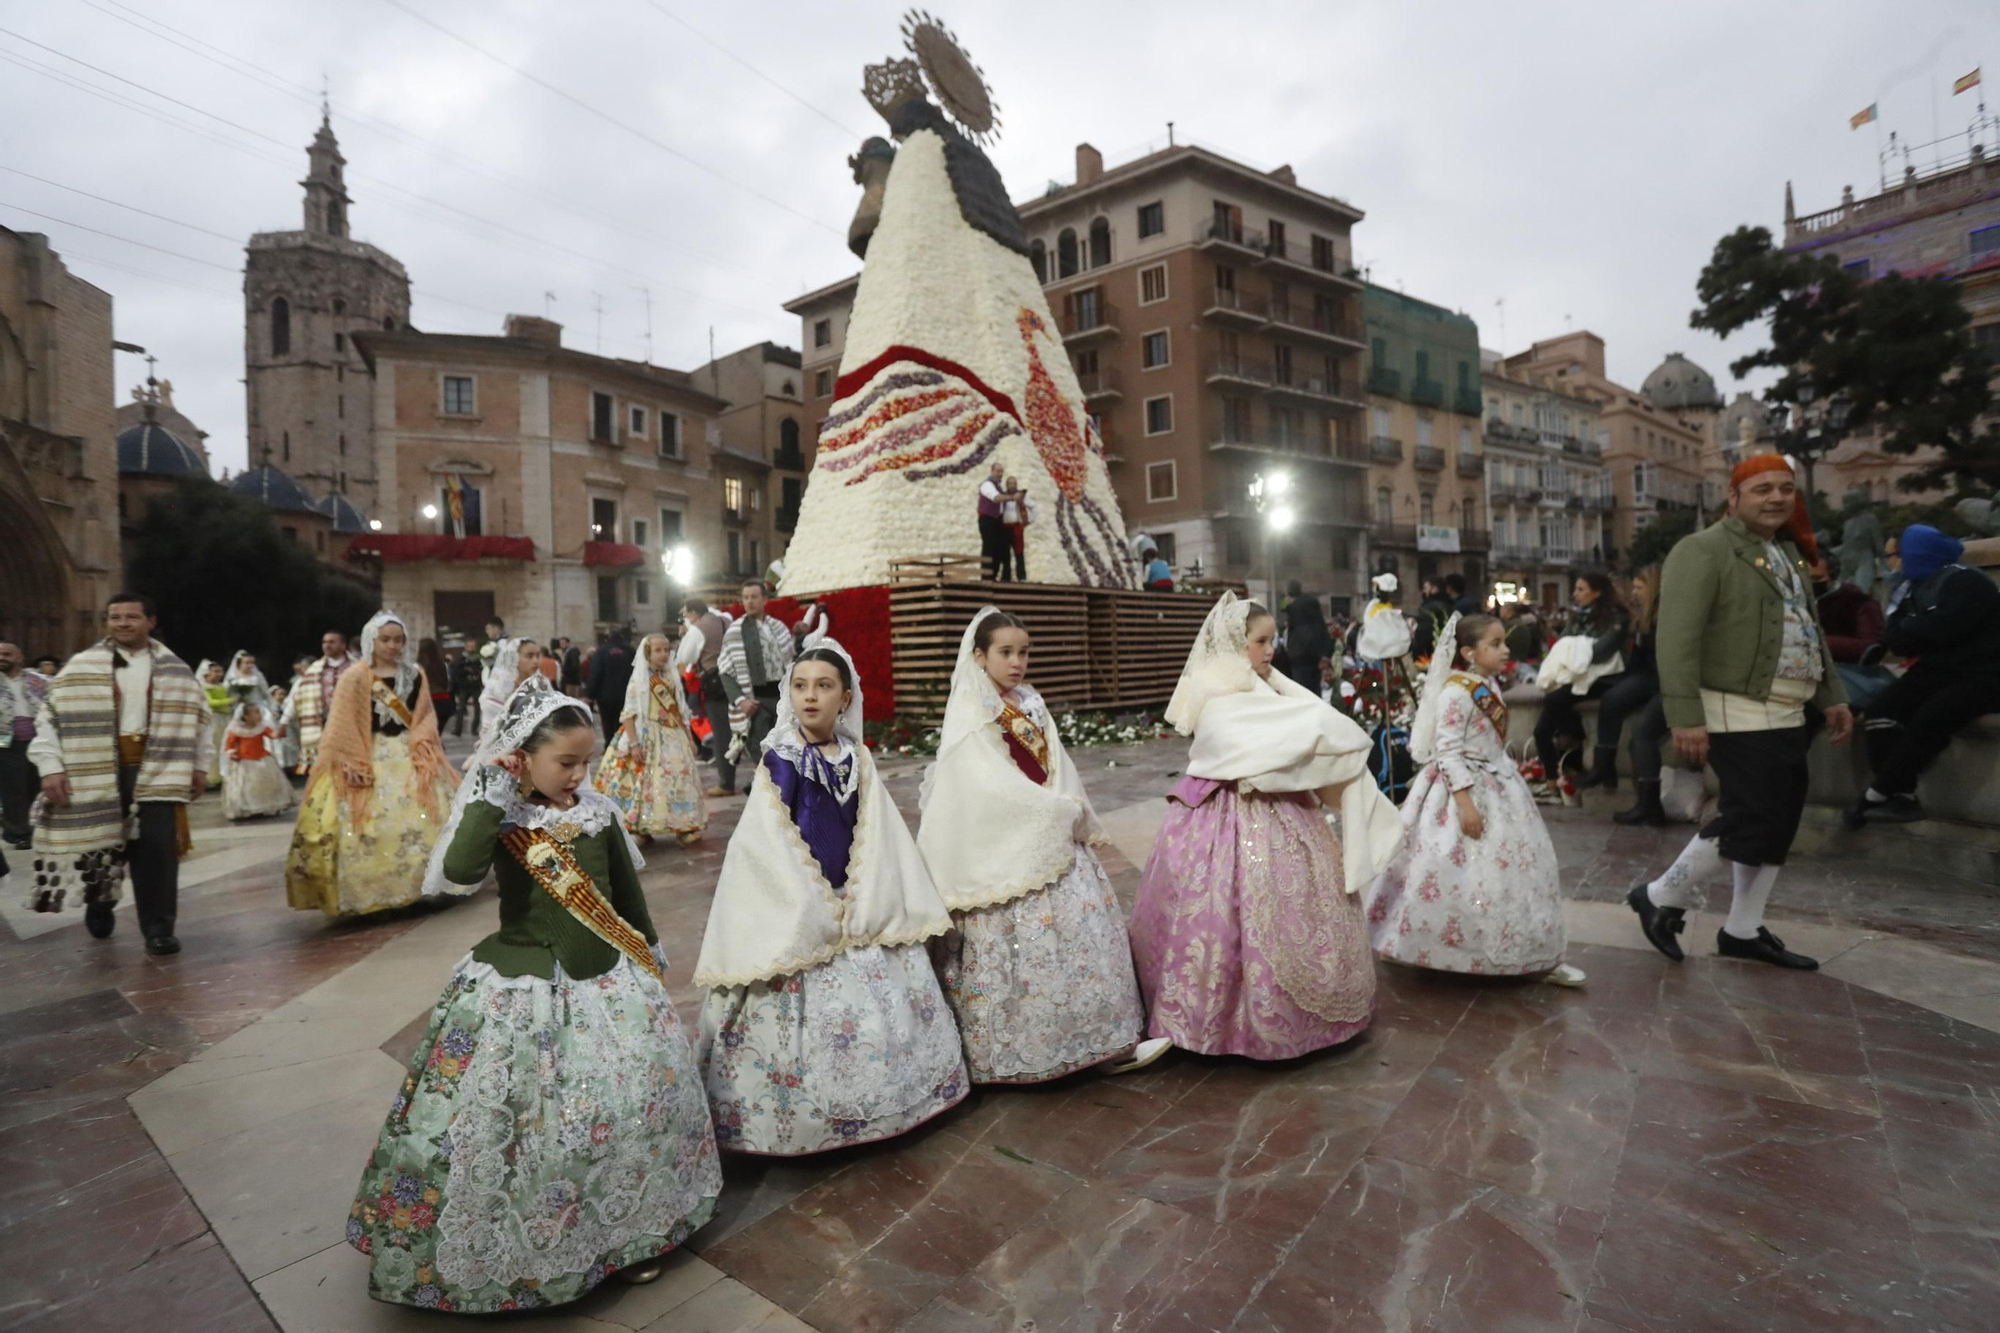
(1853, 624)
(1945, 618)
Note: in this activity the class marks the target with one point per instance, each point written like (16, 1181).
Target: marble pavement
(1711, 1146)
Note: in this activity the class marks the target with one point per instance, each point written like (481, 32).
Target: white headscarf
(248, 689)
(1423, 732)
(406, 670)
(638, 690)
(1218, 664)
(990, 833)
(786, 739)
(488, 782)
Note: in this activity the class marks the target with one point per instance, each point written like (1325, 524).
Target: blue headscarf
(1925, 551)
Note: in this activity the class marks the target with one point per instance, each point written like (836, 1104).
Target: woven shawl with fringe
(82, 715)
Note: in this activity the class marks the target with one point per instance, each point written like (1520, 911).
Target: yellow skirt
(344, 870)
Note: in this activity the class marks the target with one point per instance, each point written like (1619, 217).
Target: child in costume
(515, 661)
(285, 719)
(1037, 967)
(551, 1131)
(253, 781)
(221, 703)
(1476, 887)
(1247, 934)
(824, 1026)
(649, 769)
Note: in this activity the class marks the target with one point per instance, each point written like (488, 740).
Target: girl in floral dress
(1037, 967)
(551, 1131)
(1476, 887)
(649, 769)
(1247, 938)
(824, 1026)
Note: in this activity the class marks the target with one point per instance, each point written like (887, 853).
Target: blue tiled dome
(151, 448)
(275, 489)
(346, 518)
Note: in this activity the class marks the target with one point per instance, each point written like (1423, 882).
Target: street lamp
(1267, 492)
(678, 565)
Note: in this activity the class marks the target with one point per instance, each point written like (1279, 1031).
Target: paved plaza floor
(1713, 1146)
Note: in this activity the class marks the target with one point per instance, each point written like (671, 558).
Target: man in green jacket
(1741, 657)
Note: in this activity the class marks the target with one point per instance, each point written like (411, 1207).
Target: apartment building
(1212, 312)
(1426, 471)
(546, 485)
(1547, 490)
(760, 457)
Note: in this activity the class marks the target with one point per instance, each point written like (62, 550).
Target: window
(1088, 307)
(1423, 432)
(340, 406)
(1153, 353)
(670, 435)
(642, 592)
(1162, 482)
(1152, 219)
(822, 333)
(1276, 235)
(1426, 508)
(734, 542)
(732, 494)
(1238, 543)
(1168, 546)
(1281, 363)
(600, 417)
(788, 444)
(1066, 253)
(1323, 254)
(281, 327)
(604, 520)
(1038, 255)
(339, 342)
(672, 529)
(1423, 365)
(1100, 243)
(1385, 505)
(1985, 240)
(460, 518)
(458, 398)
(343, 446)
(1086, 364)
(607, 598)
(1342, 554)
(1382, 422)
(1225, 285)
(1466, 513)
(823, 384)
(288, 446)
(636, 422)
(1152, 284)
(388, 323)
(1235, 419)
(1159, 415)
(639, 532)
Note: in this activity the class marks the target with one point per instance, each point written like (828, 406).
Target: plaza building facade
(1548, 492)
(760, 457)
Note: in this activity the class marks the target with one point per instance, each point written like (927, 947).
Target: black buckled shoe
(100, 920)
(1660, 924)
(162, 945)
(1766, 948)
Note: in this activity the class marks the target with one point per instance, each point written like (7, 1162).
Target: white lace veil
(638, 690)
(1218, 664)
(974, 700)
(504, 672)
(785, 731)
(1444, 652)
(406, 670)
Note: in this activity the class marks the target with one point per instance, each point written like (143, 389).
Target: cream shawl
(774, 913)
(1271, 734)
(990, 834)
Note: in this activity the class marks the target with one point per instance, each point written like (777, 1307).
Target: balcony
(1597, 504)
(1324, 263)
(1234, 307)
(1468, 402)
(1332, 326)
(731, 514)
(1385, 380)
(1570, 444)
(1320, 387)
(1099, 385)
(1472, 465)
(1474, 539)
(1429, 458)
(787, 519)
(1225, 369)
(1402, 536)
(1524, 492)
(790, 458)
(1339, 453)
(1083, 321)
(1216, 232)
(1427, 393)
(1385, 449)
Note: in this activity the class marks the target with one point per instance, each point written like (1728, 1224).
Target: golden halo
(959, 86)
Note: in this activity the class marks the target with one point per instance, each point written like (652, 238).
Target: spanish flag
(1862, 117)
(1969, 81)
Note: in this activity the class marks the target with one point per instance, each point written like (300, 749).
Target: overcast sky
(1578, 161)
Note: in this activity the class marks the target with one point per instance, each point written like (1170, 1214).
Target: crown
(892, 83)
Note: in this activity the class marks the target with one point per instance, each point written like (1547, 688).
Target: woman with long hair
(1599, 616)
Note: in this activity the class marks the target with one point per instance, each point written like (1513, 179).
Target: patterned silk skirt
(548, 1134)
(860, 1048)
(253, 787)
(345, 867)
(655, 784)
(1245, 938)
(1042, 985)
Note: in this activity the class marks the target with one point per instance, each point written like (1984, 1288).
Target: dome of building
(1679, 382)
(1764, 421)
(346, 518)
(274, 489)
(152, 449)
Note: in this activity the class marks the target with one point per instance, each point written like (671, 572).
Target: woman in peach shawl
(380, 787)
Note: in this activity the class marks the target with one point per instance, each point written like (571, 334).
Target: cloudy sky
(1576, 161)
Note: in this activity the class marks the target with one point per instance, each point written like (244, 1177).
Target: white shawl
(774, 912)
(989, 834)
(1271, 734)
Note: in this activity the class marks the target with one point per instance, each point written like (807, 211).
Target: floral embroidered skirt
(1042, 985)
(860, 1048)
(548, 1134)
(1455, 904)
(252, 787)
(655, 785)
(344, 868)
(1245, 940)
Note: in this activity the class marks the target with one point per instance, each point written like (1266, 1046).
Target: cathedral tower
(304, 294)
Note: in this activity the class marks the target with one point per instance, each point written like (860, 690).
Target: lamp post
(1267, 493)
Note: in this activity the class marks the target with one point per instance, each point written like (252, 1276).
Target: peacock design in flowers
(1051, 424)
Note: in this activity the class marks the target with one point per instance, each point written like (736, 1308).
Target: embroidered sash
(670, 713)
(387, 698)
(1487, 698)
(1025, 739)
(554, 867)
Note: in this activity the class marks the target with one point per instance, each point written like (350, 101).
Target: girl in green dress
(552, 1130)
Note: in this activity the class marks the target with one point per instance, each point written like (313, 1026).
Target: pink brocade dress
(1245, 939)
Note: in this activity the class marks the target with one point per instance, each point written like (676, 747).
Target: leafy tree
(225, 578)
(1895, 353)
(1651, 543)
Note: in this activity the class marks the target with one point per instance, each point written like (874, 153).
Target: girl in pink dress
(1476, 887)
(1247, 937)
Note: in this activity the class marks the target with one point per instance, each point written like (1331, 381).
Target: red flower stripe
(882, 416)
(860, 375)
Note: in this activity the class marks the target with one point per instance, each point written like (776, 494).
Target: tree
(1894, 353)
(1651, 543)
(223, 578)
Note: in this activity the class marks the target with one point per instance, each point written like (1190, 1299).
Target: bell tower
(326, 192)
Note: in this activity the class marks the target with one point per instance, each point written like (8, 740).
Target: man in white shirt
(756, 659)
(994, 493)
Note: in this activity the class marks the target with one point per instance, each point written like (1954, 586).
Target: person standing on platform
(21, 694)
(123, 746)
(1741, 655)
(1017, 513)
(994, 541)
(756, 656)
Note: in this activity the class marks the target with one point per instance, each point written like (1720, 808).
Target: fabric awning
(615, 554)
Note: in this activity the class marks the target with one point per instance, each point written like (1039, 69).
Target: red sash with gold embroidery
(1025, 742)
(387, 698)
(551, 864)
(664, 697)
(1486, 698)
